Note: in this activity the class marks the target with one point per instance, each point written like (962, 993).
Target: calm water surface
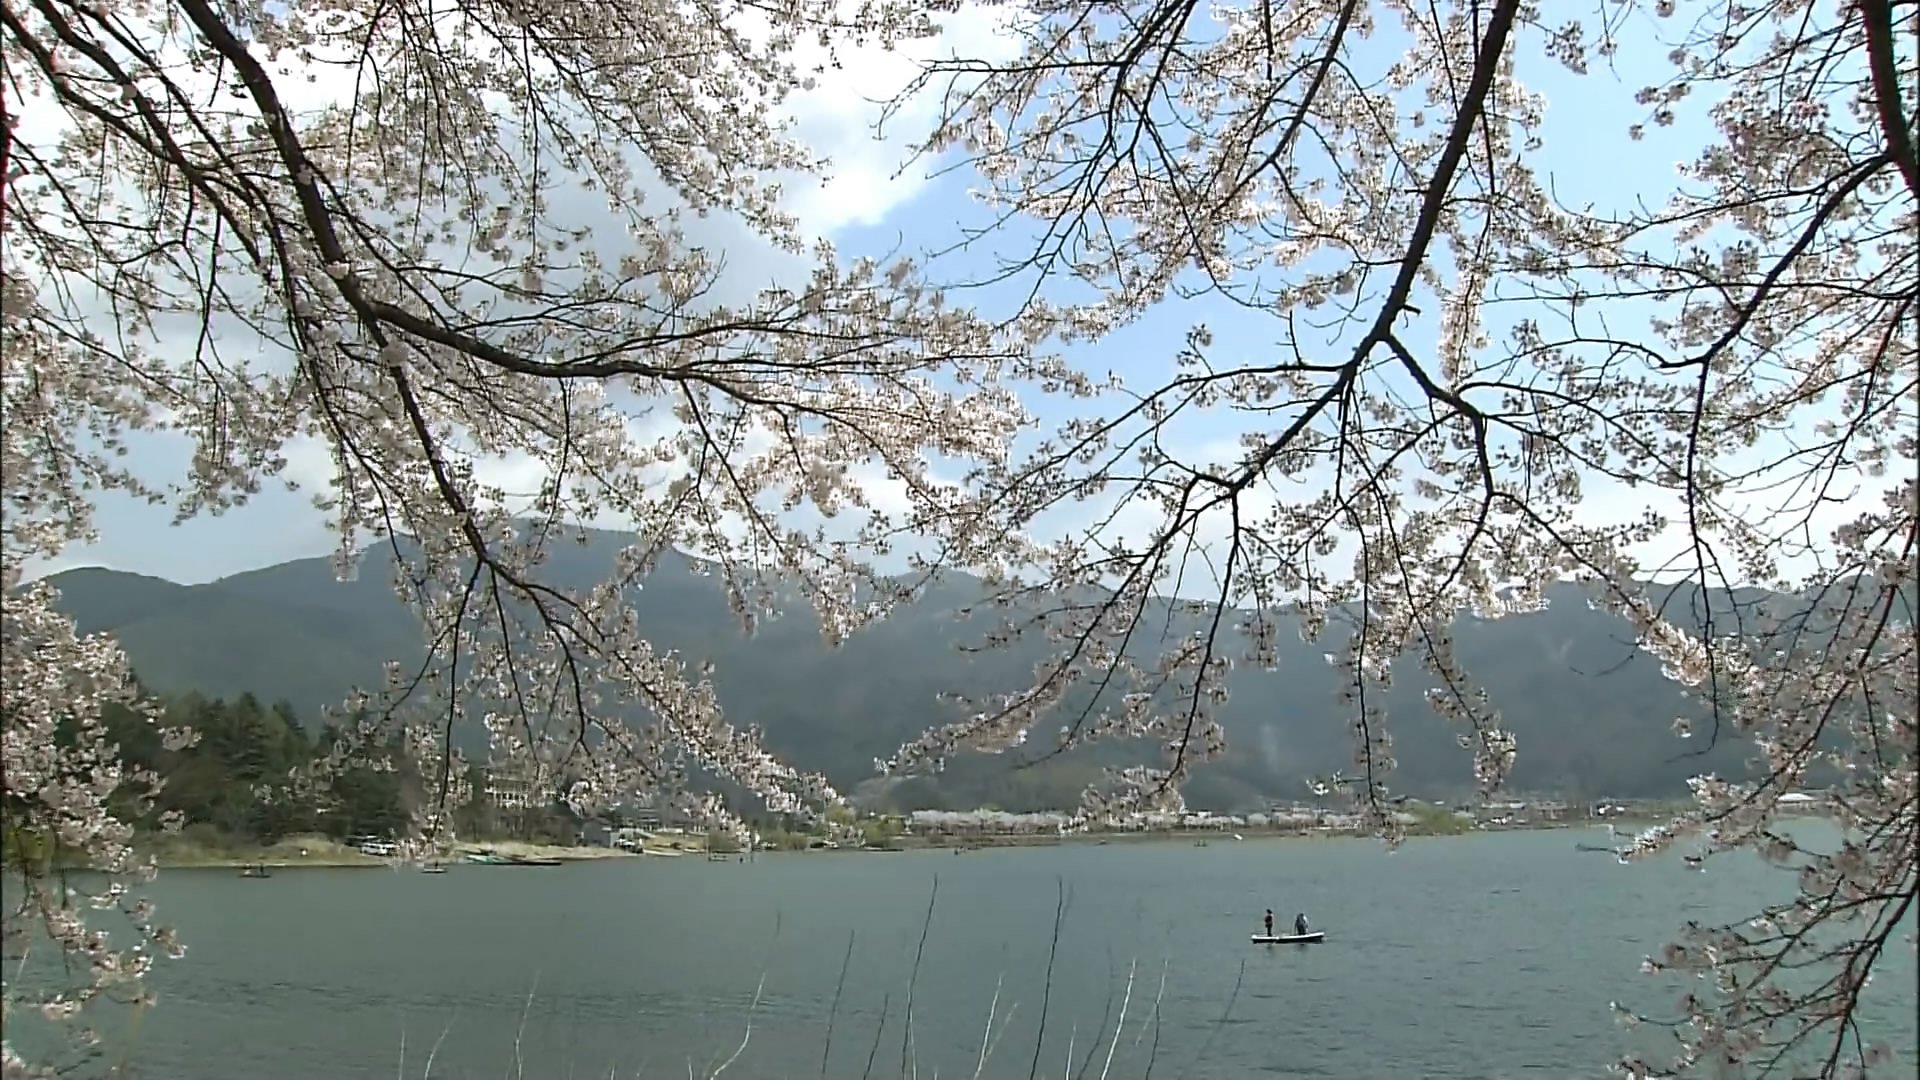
(1477, 957)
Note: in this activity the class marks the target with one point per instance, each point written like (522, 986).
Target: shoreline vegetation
(210, 789)
(319, 852)
(296, 852)
(352, 819)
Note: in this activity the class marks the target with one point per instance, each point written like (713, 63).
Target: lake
(1485, 956)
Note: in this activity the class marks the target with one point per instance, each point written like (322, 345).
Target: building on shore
(642, 813)
(518, 785)
(1521, 812)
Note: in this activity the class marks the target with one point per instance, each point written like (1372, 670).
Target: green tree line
(244, 745)
(215, 784)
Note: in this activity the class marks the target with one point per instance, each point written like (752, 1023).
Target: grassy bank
(200, 850)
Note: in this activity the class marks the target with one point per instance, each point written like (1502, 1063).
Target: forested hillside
(1592, 715)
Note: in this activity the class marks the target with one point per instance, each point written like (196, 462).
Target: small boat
(1314, 938)
(433, 868)
(258, 870)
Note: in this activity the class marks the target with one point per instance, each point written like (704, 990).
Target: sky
(874, 206)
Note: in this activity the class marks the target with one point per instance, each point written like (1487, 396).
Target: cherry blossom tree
(427, 238)
(62, 771)
(357, 227)
(1446, 358)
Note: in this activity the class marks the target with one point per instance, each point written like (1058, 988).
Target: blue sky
(1586, 154)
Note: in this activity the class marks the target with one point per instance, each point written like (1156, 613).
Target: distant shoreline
(1194, 837)
(312, 853)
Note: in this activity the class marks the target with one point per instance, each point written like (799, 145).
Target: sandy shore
(293, 851)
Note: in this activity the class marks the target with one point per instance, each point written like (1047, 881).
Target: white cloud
(870, 176)
(836, 118)
(864, 185)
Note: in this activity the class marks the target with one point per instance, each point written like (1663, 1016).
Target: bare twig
(986, 1033)
(908, 1063)
(1214, 1031)
(1120, 1024)
(1046, 992)
(520, 1030)
(833, 1011)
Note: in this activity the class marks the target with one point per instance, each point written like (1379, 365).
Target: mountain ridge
(1592, 715)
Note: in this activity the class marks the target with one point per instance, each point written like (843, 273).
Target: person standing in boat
(1269, 922)
(1300, 924)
